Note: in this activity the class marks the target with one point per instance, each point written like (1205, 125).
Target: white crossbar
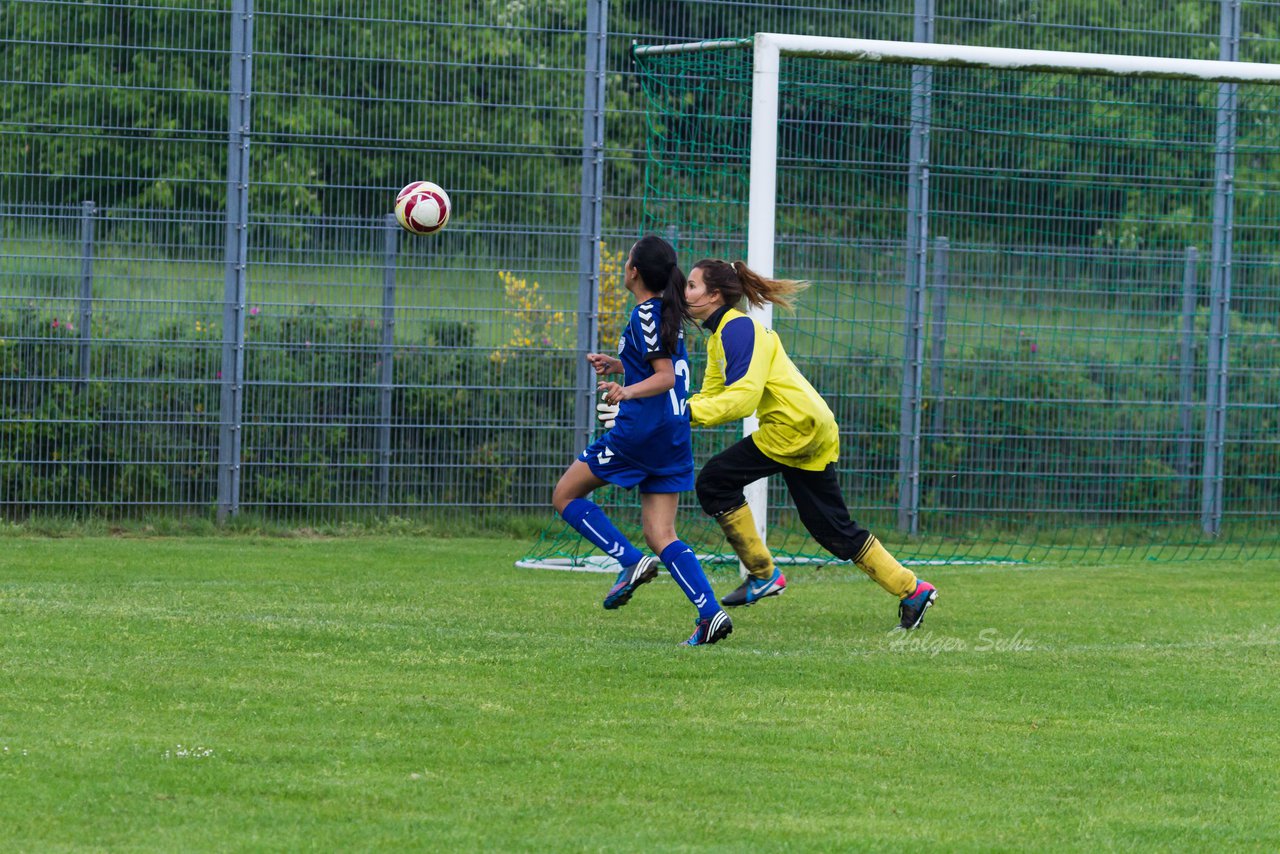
(971, 56)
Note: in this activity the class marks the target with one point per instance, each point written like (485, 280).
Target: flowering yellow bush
(613, 298)
(535, 324)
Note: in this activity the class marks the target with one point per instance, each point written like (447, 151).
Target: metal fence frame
(600, 219)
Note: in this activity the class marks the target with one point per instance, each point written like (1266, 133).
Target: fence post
(591, 220)
(938, 349)
(87, 210)
(1211, 505)
(386, 353)
(1186, 366)
(237, 259)
(917, 269)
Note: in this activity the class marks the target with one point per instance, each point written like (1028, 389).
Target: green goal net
(1043, 300)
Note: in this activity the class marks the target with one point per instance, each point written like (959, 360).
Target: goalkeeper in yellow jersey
(748, 371)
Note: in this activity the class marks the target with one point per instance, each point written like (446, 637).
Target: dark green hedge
(1081, 434)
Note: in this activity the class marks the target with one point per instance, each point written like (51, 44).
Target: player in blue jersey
(648, 446)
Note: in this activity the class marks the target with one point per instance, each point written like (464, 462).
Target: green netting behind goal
(1068, 331)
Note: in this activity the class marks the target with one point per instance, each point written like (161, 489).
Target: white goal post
(768, 48)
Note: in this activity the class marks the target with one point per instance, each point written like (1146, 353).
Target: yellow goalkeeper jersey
(749, 371)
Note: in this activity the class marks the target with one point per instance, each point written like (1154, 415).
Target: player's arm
(604, 364)
(737, 394)
(661, 381)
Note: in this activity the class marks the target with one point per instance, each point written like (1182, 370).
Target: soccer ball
(422, 207)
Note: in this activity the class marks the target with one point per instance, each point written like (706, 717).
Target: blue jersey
(652, 432)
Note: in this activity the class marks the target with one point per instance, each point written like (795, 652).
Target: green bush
(1078, 435)
(145, 431)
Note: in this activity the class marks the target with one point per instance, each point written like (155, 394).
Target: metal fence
(203, 306)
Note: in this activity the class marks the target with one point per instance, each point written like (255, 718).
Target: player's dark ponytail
(654, 258)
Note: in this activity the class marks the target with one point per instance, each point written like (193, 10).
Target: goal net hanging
(1044, 286)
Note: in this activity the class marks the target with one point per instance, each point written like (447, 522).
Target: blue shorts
(610, 467)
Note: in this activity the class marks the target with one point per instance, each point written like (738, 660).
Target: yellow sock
(885, 570)
(740, 530)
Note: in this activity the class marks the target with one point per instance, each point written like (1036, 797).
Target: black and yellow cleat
(754, 589)
(911, 609)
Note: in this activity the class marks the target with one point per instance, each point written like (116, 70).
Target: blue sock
(684, 567)
(589, 521)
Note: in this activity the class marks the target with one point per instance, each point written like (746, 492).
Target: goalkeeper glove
(607, 413)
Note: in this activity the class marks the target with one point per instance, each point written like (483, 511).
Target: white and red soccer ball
(422, 207)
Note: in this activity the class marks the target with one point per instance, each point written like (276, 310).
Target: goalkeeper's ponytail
(737, 281)
(655, 260)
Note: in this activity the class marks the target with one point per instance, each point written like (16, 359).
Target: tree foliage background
(127, 104)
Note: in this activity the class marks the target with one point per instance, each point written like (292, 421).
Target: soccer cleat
(911, 610)
(717, 627)
(641, 572)
(753, 590)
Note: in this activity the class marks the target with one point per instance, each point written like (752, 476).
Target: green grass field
(397, 693)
